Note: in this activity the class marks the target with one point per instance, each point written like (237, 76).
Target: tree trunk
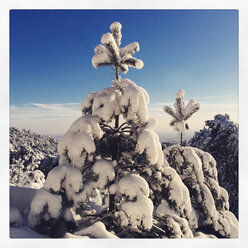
(181, 139)
(116, 73)
(115, 152)
(115, 156)
(116, 121)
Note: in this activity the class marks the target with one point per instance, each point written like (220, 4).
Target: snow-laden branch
(110, 53)
(181, 113)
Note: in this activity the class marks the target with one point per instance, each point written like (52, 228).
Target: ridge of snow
(97, 230)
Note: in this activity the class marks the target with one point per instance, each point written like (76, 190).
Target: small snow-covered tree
(182, 113)
(220, 138)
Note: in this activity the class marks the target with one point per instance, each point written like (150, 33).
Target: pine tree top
(110, 53)
(181, 113)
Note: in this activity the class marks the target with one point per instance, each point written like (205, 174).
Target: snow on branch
(125, 97)
(134, 100)
(110, 53)
(148, 143)
(78, 141)
(138, 208)
(181, 113)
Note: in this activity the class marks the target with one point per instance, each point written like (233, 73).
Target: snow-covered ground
(20, 200)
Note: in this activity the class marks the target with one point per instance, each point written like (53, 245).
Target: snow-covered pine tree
(114, 180)
(100, 158)
(220, 138)
(182, 113)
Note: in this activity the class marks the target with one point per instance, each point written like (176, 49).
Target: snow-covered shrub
(30, 152)
(28, 176)
(32, 178)
(220, 138)
(208, 200)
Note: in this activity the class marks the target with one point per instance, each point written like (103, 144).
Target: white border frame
(6, 5)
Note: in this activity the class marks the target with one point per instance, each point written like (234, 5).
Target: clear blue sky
(51, 52)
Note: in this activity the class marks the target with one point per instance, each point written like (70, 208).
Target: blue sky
(51, 70)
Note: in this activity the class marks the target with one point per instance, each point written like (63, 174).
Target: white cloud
(219, 96)
(55, 119)
(50, 119)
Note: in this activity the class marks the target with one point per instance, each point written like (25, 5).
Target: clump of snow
(175, 226)
(201, 235)
(65, 177)
(151, 123)
(108, 38)
(78, 141)
(97, 230)
(116, 30)
(233, 224)
(101, 58)
(191, 105)
(125, 97)
(138, 213)
(178, 192)
(106, 172)
(138, 208)
(73, 236)
(182, 223)
(86, 104)
(134, 100)
(15, 215)
(180, 127)
(164, 209)
(195, 163)
(130, 49)
(99, 49)
(55, 178)
(73, 180)
(43, 199)
(208, 205)
(131, 185)
(106, 104)
(148, 143)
